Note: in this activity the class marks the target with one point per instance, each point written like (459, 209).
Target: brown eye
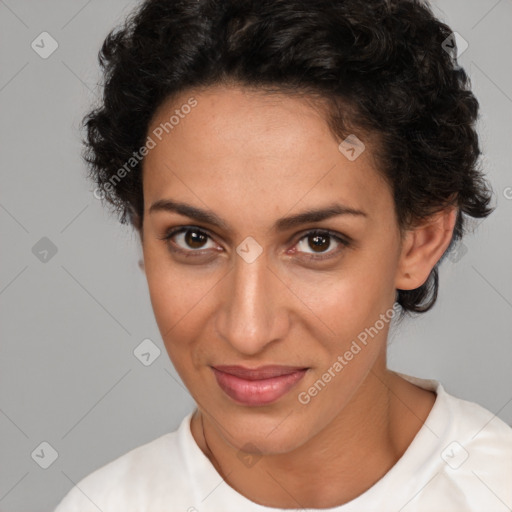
(189, 240)
(319, 243)
(195, 239)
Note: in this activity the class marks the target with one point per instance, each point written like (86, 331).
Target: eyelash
(344, 241)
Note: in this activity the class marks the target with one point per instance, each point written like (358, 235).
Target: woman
(296, 171)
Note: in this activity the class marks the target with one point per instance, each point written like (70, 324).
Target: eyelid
(172, 232)
(344, 239)
(180, 229)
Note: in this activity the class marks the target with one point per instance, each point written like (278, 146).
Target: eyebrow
(283, 224)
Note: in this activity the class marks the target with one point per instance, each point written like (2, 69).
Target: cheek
(347, 300)
(349, 305)
(177, 310)
(178, 297)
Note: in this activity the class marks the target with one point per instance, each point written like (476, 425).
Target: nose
(252, 313)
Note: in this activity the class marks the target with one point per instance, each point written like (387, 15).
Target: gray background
(68, 375)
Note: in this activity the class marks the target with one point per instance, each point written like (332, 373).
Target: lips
(257, 386)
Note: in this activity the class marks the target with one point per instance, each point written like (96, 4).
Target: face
(260, 302)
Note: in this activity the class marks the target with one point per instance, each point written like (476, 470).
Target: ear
(423, 247)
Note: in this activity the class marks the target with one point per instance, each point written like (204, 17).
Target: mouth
(257, 386)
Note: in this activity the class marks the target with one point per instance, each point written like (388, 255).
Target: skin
(253, 158)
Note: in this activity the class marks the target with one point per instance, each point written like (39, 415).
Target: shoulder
(153, 471)
(478, 427)
(472, 423)
(476, 456)
(462, 456)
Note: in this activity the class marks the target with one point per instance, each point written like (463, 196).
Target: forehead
(253, 148)
(234, 122)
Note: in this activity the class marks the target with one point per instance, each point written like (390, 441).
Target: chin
(254, 430)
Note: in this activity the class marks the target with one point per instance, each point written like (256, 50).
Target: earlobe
(423, 247)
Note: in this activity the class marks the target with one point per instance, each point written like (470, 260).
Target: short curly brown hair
(379, 64)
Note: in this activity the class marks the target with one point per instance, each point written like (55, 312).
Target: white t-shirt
(460, 460)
